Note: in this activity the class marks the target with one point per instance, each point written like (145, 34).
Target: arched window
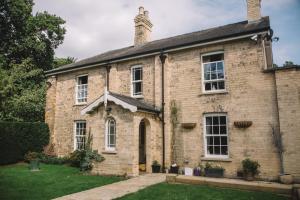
(110, 135)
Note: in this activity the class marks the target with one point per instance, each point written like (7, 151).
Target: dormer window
(81, 89)
(137, 81)
(213, 72)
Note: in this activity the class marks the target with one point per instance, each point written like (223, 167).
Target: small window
(80, 135)
(216, 135)
(213, 72)
(82, 89)
(110, 140)
(137, 81)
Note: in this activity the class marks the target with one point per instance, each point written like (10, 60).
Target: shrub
(84, 158)
(18, 138)
(31, 156)
(250, 167)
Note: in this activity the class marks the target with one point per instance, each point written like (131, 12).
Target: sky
(96, 26)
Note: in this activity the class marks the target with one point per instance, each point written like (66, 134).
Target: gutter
(153, 53)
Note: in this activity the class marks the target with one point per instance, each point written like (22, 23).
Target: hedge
(17, 138)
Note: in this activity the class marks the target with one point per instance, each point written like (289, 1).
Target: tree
(27, 45)
(288, 63)
(63, 61)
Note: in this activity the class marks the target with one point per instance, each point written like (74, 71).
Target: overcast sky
(95, 26)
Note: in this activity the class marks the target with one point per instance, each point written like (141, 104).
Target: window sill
(109, 152)
(138, 96)
(213, 93)
(80, 104)
(216, 159)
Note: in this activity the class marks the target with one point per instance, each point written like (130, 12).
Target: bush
(250, 167)
(31, 156)
(84, 158)
(18, 138)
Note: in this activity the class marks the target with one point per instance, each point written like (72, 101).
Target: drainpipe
(106, 88)
(163, 57)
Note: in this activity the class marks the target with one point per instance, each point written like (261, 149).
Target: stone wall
(250, 95)
(288, 92)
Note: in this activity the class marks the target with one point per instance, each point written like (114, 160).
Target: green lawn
(166, 191)
(17, 182)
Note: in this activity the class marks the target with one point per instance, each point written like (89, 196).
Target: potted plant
(155, 167)
(250, 169)
(34, 160)
(214, 171)
(174, 169)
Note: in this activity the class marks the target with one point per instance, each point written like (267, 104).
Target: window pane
(210, 150)
(223, 140)
(220, 75)
(224, 150)
(210, 141)
(217, 141)
(221, 85)
(216, 130)
(137, 74)
(207, 76)
(220, 66)
(215, 120)
(223, 120)
(137, 88)
(217, 150)
(82, 80)
(213, 67)
(223, 130)
(213, 58)
(208, 130)
(213, 76)
(206, 68)
(208, 86)
(208, 120)
(214, 85)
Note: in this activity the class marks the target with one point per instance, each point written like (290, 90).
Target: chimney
(253, 10)
(142, 27)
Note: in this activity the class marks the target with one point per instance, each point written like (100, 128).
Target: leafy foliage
(84, 158)
(18, 138)
(27, 46)
(250, 166)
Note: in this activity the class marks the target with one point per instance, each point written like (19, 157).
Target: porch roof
(126, 102)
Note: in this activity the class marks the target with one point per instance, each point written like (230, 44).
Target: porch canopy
(132, 104)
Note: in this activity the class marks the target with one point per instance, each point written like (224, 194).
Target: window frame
(202, 70)
(76, 89)
(132, 81)
(75, 133)
(205, 135)
(107, 134)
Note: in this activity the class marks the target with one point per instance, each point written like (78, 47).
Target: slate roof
(212, 34)
(135, 102)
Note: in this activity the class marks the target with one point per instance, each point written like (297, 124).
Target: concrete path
(117, 189)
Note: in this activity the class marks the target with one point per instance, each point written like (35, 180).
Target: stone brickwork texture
(250, 95)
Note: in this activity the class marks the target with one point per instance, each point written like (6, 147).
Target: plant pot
(155, 168)
(286, 178)
(214, 172)
(197, 172)
(249, 176)
(34, 165)
(174, 170)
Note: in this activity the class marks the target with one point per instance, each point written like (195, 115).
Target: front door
(142, 146)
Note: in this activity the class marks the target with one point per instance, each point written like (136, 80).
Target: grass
(18, 182)
(166, 191)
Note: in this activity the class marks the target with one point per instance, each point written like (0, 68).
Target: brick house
(207, 96)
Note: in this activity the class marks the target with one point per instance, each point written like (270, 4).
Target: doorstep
(234, 183)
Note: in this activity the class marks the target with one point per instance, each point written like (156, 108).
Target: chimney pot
(146, 13)
(141, 10)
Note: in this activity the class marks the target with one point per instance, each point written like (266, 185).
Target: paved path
(117, 189)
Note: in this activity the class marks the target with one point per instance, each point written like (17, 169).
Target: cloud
(95, 26)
